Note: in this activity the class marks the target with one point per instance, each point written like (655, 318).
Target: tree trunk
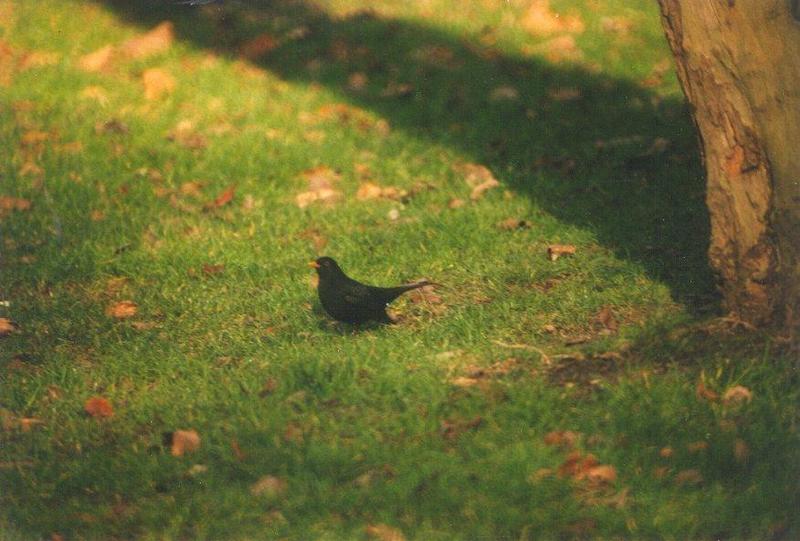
(739, 64)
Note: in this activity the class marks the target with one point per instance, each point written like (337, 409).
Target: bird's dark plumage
(347, 300)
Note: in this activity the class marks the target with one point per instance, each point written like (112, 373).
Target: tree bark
(739, 64)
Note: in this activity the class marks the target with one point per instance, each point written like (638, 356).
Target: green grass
(357, 420)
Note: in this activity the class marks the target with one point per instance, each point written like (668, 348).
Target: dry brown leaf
(565, 93)
(97, 215)
(259, 46)
(451, 430)
(210, 270)
(504, 93)
(474, 173)
(357, 81)
(456, 203)
(38, 59)
(561, 438)
(697, 446)
(463, 381)
(321, 181)
(480, 189)
(34, 138)
(616, 25)
(192, 188)
(426, 295)
(237, 451)
(688, 477)
(384, 532)
(225, 197)
(184, 442)
(187, 136)
(736, 395)
(606, 320)
(27, 423)
(554, 251)
(557, 50)
(7, 326)
(157, 40)
(539, 19)
(741, 451)
(31, 169)
(602, 474)
(269, 486)
(369, 190)
(666, 452)
(14, 203)
(122, 309)
(703, 392)
(157, 83)
(98, 407)
(513, 224)
(96, 93)
(98, 60)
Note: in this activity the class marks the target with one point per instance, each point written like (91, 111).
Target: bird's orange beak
(313, 264)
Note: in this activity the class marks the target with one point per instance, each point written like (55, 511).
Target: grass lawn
(162, 189)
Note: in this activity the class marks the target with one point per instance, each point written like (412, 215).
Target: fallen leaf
(463, 381)
(539, 19)
(384, 532)
(157, 40)
(14, 203)
(122, 309)
(602, 474)
(736, 395)
(474, 173)
(38, 59)
(27, 423)
(97, 215)
(565, 93)
(703, 392)
(697, 446)
(259, 46)
(98, 60)
(513, 224)
(98, 407)
(210, 270)
(741, 451)
(666, 452)
(557, 50)
(688, 477)
(561, 438)
(192, 188)
(157, 83)
(96, 93)
(34, 138)
(504, 93)
(456, 203)
(606, 320)
(225, 197)
(269, 486)
(321, 181)
(616, 25)
(187, 136)
(426, 294)
(237, 451)
(143, 325)
(357, 81)
(451, 430)
(480, 189)
(370, 190)
(554, 251)
(184, 442)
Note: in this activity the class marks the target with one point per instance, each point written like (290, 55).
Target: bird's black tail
(391, 293)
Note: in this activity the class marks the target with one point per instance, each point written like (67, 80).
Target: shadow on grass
(644, 202)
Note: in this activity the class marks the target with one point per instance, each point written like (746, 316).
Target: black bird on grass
(349, 301)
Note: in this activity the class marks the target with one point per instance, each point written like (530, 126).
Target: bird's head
(326, 266)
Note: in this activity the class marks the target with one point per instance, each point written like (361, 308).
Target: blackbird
(349, 301)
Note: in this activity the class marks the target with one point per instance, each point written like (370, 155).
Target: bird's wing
(357, 294)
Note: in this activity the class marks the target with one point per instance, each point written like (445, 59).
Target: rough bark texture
(739, 64)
